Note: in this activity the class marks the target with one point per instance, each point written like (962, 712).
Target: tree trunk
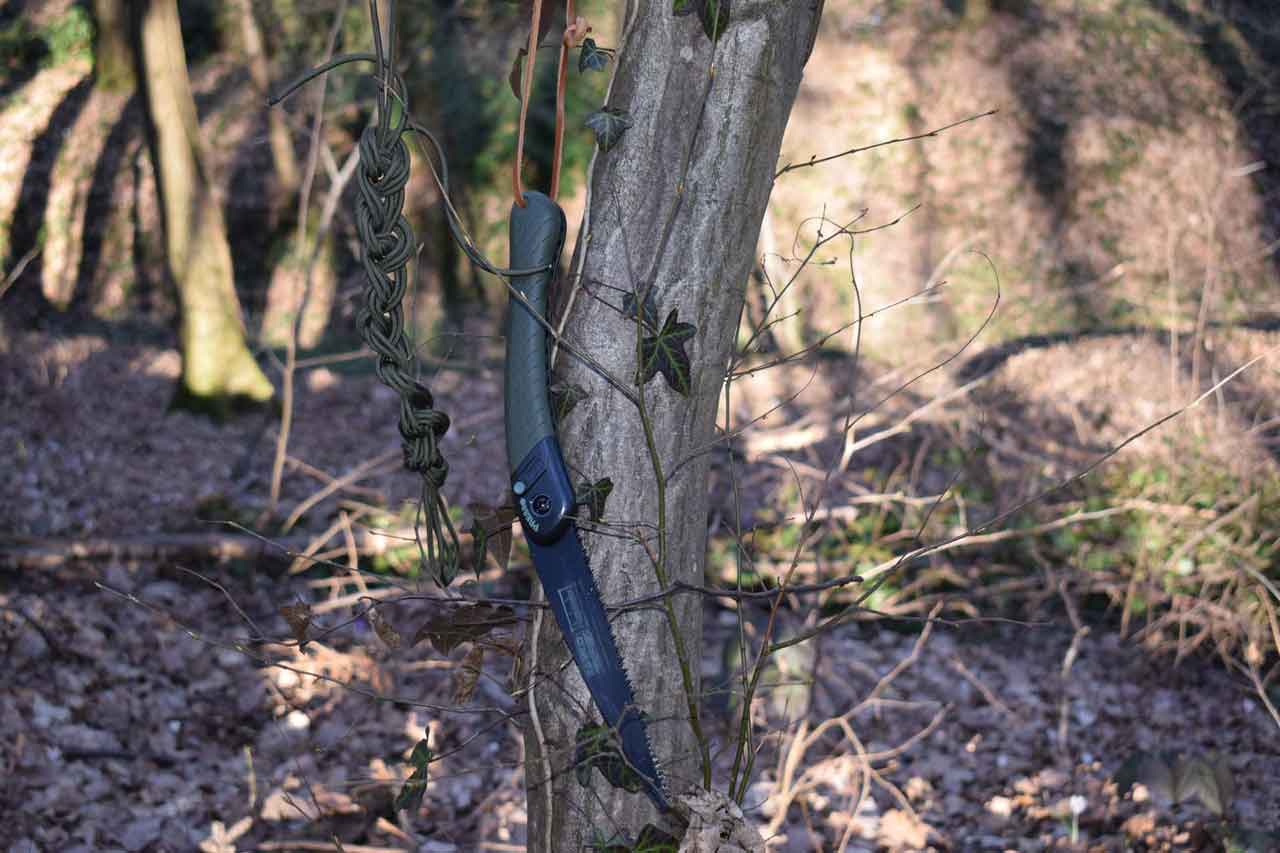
(216, 363)
(692, 236)
(113, 59)
(282, 153)
(303, 280)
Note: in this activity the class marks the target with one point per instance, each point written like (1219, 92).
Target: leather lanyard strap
(575, 28)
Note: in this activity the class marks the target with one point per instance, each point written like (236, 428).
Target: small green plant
(69, 37)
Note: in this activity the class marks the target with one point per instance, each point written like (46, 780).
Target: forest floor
(136, 717)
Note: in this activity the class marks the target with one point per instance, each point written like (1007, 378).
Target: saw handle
(543, 493)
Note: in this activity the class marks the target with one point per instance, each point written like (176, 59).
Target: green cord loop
(387, 243)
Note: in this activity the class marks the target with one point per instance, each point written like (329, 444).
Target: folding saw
(544, 497)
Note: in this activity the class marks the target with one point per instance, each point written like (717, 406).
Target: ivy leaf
(594, 495)
(650, 840)
(491, 534)
(410, 796)
(550, 8)
(421, 755)
(597, 746)
(714, 15)
(664, 353)
(592, 57)
(564, 396)
(650, 320)
(609, 125)
(447, 631)
(479, 543)
(516, 78)
(1208, 779)
(1153, 770)
(654, 840)
(1243, 839)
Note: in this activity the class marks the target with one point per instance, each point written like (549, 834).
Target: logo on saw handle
(540, 505)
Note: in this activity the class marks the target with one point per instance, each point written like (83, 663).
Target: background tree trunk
(216, 362)
(303, 280)
(692, 236)
(282, 153)
(113, 60)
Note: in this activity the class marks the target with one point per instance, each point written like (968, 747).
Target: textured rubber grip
(537, 236)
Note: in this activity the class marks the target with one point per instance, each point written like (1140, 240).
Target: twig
(327, 478)
(1068, 661)
(56, 647)
(330, 846)
(992, 699)
(304, 204)
(16, 272)
(359, 472)
(974, 536)
(52, 553)
(817, 161)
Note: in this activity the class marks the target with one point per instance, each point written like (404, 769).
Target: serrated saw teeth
(575, 601)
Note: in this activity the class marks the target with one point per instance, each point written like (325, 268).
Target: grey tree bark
(675, 206)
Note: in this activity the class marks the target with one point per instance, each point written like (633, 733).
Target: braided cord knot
(386, 240)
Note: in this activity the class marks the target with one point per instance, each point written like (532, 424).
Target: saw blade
(575, 600)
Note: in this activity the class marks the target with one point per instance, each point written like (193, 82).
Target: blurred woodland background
(1052, 279)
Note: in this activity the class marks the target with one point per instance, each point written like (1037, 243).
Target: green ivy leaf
(479, 544)
(650, 308)
(609, 125)
(714, 15)
(654, 840)
(410, 796)
(650, 840)
(597, 746)
(1209, 779)
(421, 755)
(1154, 770)
(664, 353)
(592, 57)
(594, 495)
(491, 534)
(1243, 839)
(564, 396)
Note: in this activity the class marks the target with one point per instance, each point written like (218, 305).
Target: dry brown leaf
(467, 675)
(299, 618)
(384, 629)
(899, 830)
(449, 630)
(717, 825)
